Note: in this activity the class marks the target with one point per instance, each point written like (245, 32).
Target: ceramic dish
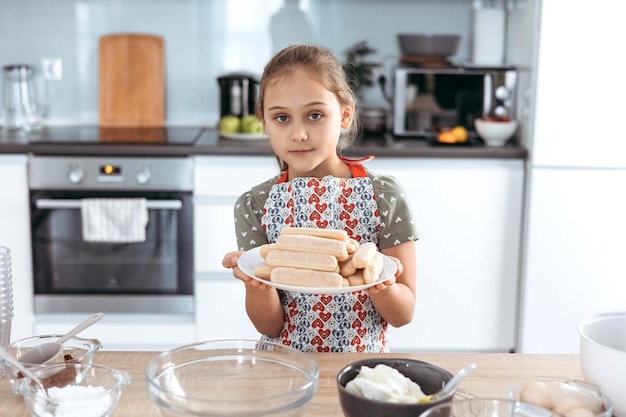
(244, 136)
(251, 259)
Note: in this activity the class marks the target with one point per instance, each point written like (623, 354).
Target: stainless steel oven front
(74, 275)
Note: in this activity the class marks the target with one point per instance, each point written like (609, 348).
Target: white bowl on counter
(603, 354)
(495, 132)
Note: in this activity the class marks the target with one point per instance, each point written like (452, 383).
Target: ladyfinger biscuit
(364, 255)
(347, 268)
(352, 245)
(371, 273)
(263, 271)
(336, 234)
(265, 249)
(306, 277)
(304, 243)
(304, 260)
(356, 278)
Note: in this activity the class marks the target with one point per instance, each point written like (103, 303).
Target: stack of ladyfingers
(311, 257)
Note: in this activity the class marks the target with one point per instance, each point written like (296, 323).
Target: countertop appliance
(427, 100)
(576, 225)
(238, 93)
(72, 274)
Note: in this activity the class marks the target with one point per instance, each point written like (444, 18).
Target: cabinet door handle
(76, 204)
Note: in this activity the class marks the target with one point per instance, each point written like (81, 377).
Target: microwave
(427, 100)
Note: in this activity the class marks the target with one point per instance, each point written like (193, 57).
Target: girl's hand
(388, 282)
(230, 261)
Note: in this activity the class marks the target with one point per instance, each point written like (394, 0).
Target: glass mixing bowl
(232, 377)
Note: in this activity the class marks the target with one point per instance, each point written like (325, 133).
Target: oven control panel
(119, 173)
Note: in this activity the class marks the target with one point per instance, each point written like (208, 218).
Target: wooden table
(496, 373)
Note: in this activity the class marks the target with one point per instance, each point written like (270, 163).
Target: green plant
(359, 71)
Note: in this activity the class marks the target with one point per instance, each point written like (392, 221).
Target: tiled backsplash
(205, 39)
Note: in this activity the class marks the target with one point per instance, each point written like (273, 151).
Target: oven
(153, 274)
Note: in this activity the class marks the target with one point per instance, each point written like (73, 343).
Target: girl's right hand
(230, 261)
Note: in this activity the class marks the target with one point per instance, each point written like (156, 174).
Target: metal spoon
(449, 388)
(52, 352)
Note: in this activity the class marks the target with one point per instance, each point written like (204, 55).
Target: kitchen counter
(496, 373)
(190, 141)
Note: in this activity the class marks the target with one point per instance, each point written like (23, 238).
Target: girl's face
(303, 120)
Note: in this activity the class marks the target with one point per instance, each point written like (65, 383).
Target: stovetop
(116, 135)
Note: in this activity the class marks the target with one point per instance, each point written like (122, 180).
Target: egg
(566, 404)
(536, 393)
(579, 412)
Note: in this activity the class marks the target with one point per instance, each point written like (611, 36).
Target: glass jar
(20, 106)
(6, 296)
(488, 32)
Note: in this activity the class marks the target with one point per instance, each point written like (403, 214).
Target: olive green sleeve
(248, 211)
(397, 223)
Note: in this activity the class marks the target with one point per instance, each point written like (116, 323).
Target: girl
(308, 112)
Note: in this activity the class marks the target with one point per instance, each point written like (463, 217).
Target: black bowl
(429, 377)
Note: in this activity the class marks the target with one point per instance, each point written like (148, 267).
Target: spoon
(52, 352)
(7, 357)
(449, 388)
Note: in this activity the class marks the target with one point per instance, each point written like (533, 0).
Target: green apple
(251, 124)
(230, 124)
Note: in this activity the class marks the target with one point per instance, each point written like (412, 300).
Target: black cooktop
(116, 135)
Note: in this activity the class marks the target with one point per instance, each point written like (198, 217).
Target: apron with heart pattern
(345, 322)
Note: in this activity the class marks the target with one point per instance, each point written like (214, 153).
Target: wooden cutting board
(131, 89)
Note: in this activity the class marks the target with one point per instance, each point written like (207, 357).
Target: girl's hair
(322, 65)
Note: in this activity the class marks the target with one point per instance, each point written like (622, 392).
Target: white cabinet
(15, 235)
(468, 216)
(575, 256)
(220, 308)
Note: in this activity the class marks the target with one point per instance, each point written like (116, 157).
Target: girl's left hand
(388, 282)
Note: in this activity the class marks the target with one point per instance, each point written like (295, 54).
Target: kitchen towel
(114, 220)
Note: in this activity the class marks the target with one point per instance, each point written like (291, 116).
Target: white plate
(251, 259)
(244, 136)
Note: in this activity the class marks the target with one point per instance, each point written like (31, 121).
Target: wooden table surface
(495, 374)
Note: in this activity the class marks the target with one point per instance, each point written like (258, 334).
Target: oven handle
(76, 204)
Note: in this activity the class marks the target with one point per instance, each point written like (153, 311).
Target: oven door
(72, 275)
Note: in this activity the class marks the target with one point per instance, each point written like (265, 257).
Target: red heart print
(346, 192)
(362, 315)
(315, 216)
(325, 315)
(324, 333)
(326, 299)
(342, 200)
(360, 349)
(322, 224)
(318, 307)
(314, 199)
(317, 341)
(363, 297)
(319, 190)
(356, 324)
(312, 182)
(344, 215)
(352, 223)
(361, 332)
(317, 323)
(349, 207)
(321, 207)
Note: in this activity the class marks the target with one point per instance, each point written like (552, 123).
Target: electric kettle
(238, 94)
(19, 101)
